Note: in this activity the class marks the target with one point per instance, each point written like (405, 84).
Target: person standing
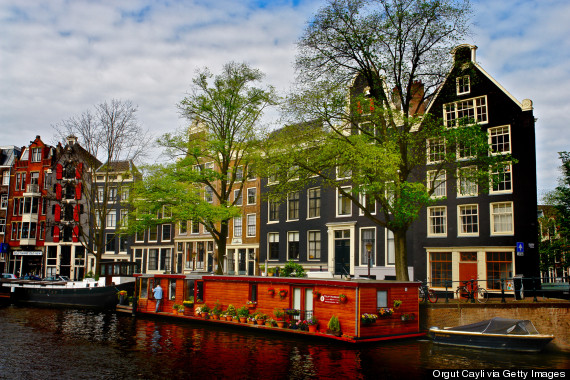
(157, 292)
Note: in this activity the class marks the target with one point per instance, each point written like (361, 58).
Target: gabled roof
(118, 167)
(8, 155)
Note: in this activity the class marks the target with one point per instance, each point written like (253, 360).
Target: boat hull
(521, 343)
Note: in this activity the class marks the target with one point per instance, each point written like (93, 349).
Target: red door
(467, 268)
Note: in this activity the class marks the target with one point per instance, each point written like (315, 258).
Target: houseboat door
(303, 301)
(342, 252)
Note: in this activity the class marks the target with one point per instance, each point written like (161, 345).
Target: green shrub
(292, 269)
(334, 324)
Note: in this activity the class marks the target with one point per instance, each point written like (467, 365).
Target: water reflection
(80, 344)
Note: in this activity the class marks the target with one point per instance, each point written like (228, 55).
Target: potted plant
(216, 311)
(317, 294)
(270, 271)
(175, 308)
(269, 322)
(271, 292)
(368, 319)
(408, 317)
(279, 315)
(282, 293)
(260, 318)
(385, 312)
(231, 312)
(342, 298)
(251, 304)
(312, 324)
(251, 320)
(204, 312)
(243, 313)
(397, 304)
(198, 311)
(333, 326)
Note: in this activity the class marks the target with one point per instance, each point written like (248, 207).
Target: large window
(251, 196)
(502, 218)
(111, 221)
(435, 150)
(153, 233)
(501, 180)
(369, 204)
(273, 245)
(500, 139)
(238, 198)
(314, 242)
(465, 111)
(437, 221)
(499, 267)
(463, 85)
(437, 183)
(343, 203)
(109, 243)
(153, 259)
(367, 237)
(468, 216)
(237, 227)
(390, 248)
(293, 245)
(293, 206)
(440, 267)
(166, 232)
(273, 211)
(314, 202)
(36, 154)
(467, 182)
(251, 225)
(195, 227)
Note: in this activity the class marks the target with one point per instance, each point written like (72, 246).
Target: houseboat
(347, 310)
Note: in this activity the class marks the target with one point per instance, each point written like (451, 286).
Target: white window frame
(162, 227)
(157, 234)
(389, 240)
(494, 214)
(272, 237)
(463, 84)
(433, 155)
(361, 260)
(439, 183)
(342, 174)
(111, 219)
(254, 191)
(463, 181)
(317, 243)
(492, 133)
(3, 226)
(180, 224)
(36, 154)
(6, 178)
(238, 227)
(208, 194)
(238, 199)
(431, 218)
(269, 220)
(461, 220)
(298, 208)
(4, 202)
(338, 200)
(124, 218)
(478, 105)
(309, 202)
(294, 235)
(251, 225)
(363, 201)
(507, 180)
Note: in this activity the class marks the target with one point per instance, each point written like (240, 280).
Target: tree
(211, 157)
(393, 55)
(111, 133)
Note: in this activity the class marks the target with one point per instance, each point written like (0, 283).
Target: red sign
(326, 298)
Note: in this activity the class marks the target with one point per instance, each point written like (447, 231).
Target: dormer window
(36, 154)
(463, 85)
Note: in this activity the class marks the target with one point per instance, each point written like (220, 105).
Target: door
(467, 267)
(342, 257)
(65, 261)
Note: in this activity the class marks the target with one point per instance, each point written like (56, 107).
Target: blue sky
(60, 57)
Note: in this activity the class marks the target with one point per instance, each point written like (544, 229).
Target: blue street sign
(520, 248)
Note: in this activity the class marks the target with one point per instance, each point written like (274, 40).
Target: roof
(118, 166)
(8, 154)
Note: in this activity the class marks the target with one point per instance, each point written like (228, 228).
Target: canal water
(38, 343)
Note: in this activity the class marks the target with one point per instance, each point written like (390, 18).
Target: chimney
(71, 140)
(417, 103)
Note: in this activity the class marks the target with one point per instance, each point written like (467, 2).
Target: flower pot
(205, 316)
(280, 324)
(242, 319)
(268, 324)
(260, 322)
(312, 328)
(229, 318)
(216, 317)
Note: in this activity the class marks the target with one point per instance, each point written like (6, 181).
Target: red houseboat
(366, 310)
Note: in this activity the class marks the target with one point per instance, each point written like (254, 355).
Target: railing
(518, 286)
(32, 188)
(299, 315)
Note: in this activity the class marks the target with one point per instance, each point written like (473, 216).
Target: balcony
(32, 189)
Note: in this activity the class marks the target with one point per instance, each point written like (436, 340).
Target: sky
(59, 58)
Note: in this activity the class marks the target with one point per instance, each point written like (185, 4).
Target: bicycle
(427, 294)
(476, 292)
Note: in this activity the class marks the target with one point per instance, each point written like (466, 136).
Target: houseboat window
(144, 288)
(253, 292)
(381, 298)
(172, 289)
(199, 291)
(189, 296)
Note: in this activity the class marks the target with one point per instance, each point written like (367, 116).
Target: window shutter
(57, 213)
(79, 170)
(359, 107)
(58, 192)
(76, 212)
(371, 105)
(55, 234)
(75, 235)
(58, 171)
(78, 191)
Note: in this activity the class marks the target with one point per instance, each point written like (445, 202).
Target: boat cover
(499, 325)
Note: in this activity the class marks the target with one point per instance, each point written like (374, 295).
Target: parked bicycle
(471, 290)
(427, 294)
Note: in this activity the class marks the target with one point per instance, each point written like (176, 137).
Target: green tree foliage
(210, 158)
(379, 49)
(292, 269)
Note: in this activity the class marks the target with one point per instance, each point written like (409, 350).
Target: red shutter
(57, 213)
(371, 105)
(58, 171)
(358, 107)
(79, 170)
(75, 235)
(78, 191)
(55, 234)
(76, 212)
(58, 192)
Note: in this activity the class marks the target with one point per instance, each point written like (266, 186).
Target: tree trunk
(401, 255)
(224, 228)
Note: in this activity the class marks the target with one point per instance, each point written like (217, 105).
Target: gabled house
(8, 155)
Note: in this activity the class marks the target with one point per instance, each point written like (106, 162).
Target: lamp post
(368, 246)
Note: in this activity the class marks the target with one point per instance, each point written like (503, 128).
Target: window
(36, 154)
(273, 211)
(124, 221)
(124, 193)
(381, 298)
(123, 243)
(34, 178)
(463, 85)
(293, 206)
(237, 227)
(251, 196)
(369, 204)
(112, 194)
(343, 172)
(501, 180)
(390, 248)
(208, 194)
(440, 268)
(195, 227)
(172, 289)
(314, 196)
(238, 198)
(253, 292)
(343, 203)
(293, 245)
(367, 237)
(111, 221)
(437, 183)
(153, 234)
(500, 139)
(183, 227)
(437, 221)
(6, 178)
(100, 193)
(139, 236)
(166, 232)
(109, 243)
(2, 226)
(468, 219)
(153, 259)
(4, 201)
(467, 182)
(251, 224)
(499, 267)
(465, 150)
(465, 111)
(239, 174)
(273, 248)
(314, 242)
(502, 218)
(435, 150)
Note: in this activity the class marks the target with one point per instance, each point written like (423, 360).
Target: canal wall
(548, 317)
